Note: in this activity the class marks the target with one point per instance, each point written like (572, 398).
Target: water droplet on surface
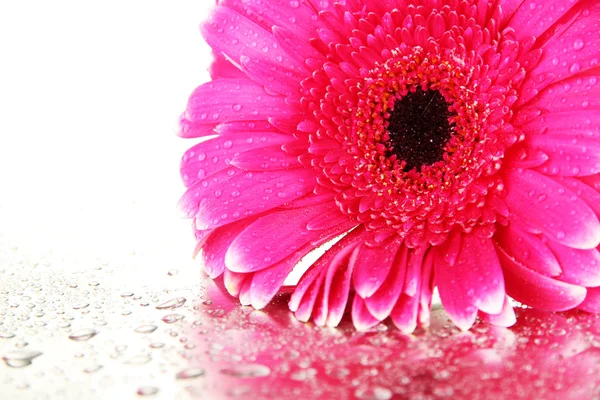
(139, 359)
(147, 391)
(146, 329)
(80, 306)
(83, 335)
(156, 345)
(126, 294)
(190, 373)
(247, 371)
(20, 358)
(92, 368)
(172, 318)
(173, 303)
(6, 335)
(173, 272)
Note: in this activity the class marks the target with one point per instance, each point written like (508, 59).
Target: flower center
(419, 128)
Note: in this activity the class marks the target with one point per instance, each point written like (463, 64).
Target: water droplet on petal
(578, 44)
(373, 393)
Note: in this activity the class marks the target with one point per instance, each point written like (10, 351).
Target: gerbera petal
(270, 158)
(243, 194)
(538, 291)
(532, 18)
(579, 267)
(297, 16)
(216, 245)
(227, 32)
(234, 282)
(504, 319)
(592, 301)
(427, 284)
(222, 68)
(584, 190)
(216, 154)
(473, 282)
(274, 77)
(570, 51)
(567, 155)
(381, 303)
(333, 294)
(267, 282)
(361, 317)
(265, 242)
(565, 218)
(373, 265)
(226, 100)
(528, 250)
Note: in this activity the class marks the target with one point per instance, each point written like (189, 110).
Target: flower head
(454, 143)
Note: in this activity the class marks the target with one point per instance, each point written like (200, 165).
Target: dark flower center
(419, 128)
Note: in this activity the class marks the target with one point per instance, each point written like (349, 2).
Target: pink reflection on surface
(268, 354)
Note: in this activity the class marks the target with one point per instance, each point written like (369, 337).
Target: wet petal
(373, 265)
(538, 291)
(565, 218)
(527, 249)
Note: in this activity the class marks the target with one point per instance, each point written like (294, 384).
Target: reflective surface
(98, 330)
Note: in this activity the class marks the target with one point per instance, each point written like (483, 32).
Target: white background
(90, 94)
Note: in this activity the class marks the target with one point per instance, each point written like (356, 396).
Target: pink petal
(265, 159)
(275, 77)
(267, 282)
(414, 267)
(405, 313)
(299, 17)
(528, 250)
(275, 236)
(580, 267)
(227, 31)
(567, 155)
(234, 282)
(585, 191)
(382, 302)
(474, 282)
(592, 301)
(538, 291)
(556, 211)
(427, 281)
(222, 68)
(226, 100)
(532, 18)
(303, 289)
(216, 154)
(332, 300)
(222, 200)
(244, 295)
(372, 266)
(339, 287)
(216, 245)
(570, 51)
(503, 319)
(361, 317)
(299, 49)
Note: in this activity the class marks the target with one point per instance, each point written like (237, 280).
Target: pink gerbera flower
(454, 143)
